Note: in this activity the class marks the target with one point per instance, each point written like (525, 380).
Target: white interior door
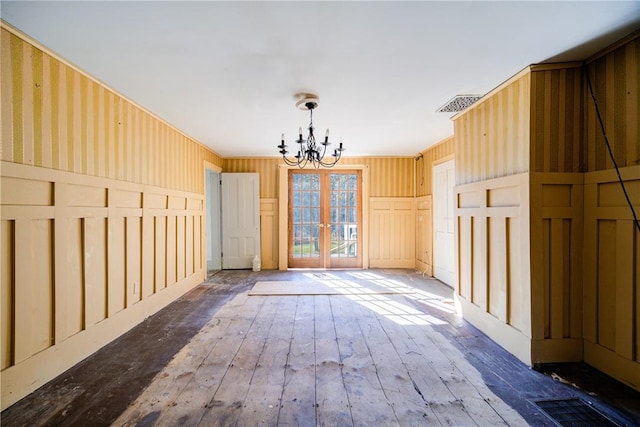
(443, 225)
(240, 219)
(214, 240)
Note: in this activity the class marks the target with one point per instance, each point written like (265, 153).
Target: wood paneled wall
(102, 206)
(492, 136)
(494, 286)
(556, 266)
(269, 233)
(611, 275)
(556, 118)
(615, 78)
(611, 244)
(584, 249)
(424, 234)
(83, 260)
(424, 165)
(392, 232)
(56, 117)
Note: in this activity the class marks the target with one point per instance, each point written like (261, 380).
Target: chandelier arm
(330, 165)
(289, 162)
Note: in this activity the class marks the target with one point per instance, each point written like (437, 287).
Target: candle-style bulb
(282, 137)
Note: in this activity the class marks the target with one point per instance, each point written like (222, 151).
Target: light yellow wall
(492, 136)
(105, 199)
(442, 151)
(615, 78)
(392, 240)
(386, 177)
(437, 153)
(611, 323)
(492, 230)
(556, 241)
(581, 279)
(389, 176)
(424, 234)
(611, 275)
(556, 118)
(492, 214)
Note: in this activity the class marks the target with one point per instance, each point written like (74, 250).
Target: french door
(325, 216)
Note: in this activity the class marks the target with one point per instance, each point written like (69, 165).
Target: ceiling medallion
(309, 152)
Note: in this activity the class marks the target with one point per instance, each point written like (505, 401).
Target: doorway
(240, 219)
(325, 219)
(443, 222)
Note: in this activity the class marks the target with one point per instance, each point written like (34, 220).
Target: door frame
(325, 259)
(210, 167)
(283, 212)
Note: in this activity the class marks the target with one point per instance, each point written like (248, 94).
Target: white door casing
(214, 241)
(240, 219)
(443, 222)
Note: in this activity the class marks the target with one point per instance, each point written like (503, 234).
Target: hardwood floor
(367, 360)
(222, 357)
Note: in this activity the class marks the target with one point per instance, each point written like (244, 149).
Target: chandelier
(310, 152)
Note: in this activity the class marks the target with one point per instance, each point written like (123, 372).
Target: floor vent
(459, 103)
(574, 412)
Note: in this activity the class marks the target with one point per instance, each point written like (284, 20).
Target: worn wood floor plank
(323, 360)
(479, 390)
(190, 404)
(298, 406)
(359, 372)
(263, 400)
(333, 407)
(408, 405)
(429, 378)
(447, 364)
(167, 385)
(227, 403)
(174, 378)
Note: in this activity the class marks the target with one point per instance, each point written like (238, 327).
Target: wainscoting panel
(556, 266)
(611, 275)
(492, 230)
(84, 259)
(424, 235)
(269, 233)
(392, 241)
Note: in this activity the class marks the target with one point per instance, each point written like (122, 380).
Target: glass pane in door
(305, 222)
(344, 215)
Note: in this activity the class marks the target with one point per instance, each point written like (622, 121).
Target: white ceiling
(226, 73)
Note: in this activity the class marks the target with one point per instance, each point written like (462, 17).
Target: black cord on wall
(606, 140)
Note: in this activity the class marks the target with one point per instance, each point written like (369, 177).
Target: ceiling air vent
(459, 103)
